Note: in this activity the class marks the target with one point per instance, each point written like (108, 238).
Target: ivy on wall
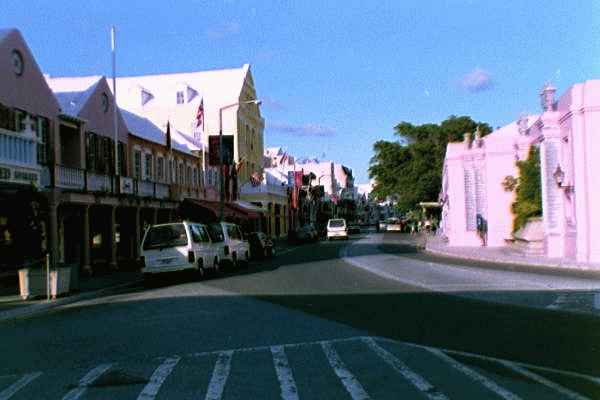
(528, 203)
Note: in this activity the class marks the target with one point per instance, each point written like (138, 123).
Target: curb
(521, 265)
(38, 309)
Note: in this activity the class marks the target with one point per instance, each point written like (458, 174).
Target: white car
(337, 229)
(235, 248)
(178, 246)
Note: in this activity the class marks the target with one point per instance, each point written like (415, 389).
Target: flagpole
(114, 83)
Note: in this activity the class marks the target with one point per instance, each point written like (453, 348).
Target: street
(365, 318)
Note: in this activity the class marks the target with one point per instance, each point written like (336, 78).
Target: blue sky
(335, 76)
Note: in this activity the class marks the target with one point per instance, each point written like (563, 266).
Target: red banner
(298, 178)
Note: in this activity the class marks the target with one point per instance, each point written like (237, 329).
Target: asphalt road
(359, 319)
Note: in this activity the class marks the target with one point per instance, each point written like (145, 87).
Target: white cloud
(224, 30)
(477, 80)
(302, 130)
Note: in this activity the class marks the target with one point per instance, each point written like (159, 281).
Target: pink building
(570, 154)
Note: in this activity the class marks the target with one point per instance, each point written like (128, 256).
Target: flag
(200, 115)
(168, 136)
(284, 157)
(298, 178)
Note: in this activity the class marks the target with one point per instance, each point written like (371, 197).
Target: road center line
(158, 377)
(86, 381)
(352, 385)
(488, 383)
(284, 374)
(219, 376)
(18, 385)
(415, 379)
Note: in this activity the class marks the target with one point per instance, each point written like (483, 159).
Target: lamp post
(221, 180)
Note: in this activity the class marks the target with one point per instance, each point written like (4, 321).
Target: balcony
(70, 178)
(277, 190)
(98, 183)
(18, 157)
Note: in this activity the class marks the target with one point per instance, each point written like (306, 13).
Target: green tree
(410, 168)
(529, 190)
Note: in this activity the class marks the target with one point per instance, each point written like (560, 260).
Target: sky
(334, 76)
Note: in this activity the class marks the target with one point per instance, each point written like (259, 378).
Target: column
(111, 240)
(85, 253)
(136, 238)
(53, 229)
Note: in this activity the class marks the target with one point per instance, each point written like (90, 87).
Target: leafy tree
(529, 190)
(410, 169)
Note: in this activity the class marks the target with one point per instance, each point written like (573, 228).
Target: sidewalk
(509, 258)
(13, 307)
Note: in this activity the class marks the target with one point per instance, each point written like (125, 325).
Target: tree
(411, 167)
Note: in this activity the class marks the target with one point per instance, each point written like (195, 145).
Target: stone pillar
(85, 253)
(111, 240)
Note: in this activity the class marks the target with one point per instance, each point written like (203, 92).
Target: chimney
(547, 97)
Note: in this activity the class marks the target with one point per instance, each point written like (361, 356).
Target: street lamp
(222, 183)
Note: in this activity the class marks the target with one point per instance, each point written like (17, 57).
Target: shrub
(529, 190)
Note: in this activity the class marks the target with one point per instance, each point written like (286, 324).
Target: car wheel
(200, 269)
(216, 266)
(234, 261)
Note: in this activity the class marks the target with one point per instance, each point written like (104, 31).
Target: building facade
(474, 172)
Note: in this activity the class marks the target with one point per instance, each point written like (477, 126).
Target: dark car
(260, 245)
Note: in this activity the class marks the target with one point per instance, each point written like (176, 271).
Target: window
(188, 176)
(199, 234)
(233, 232)
(17, 62)
(146, 96)
(148, 166)
(181, 177)
(195, 177)
(160, 167)
(137, 164)
(91, 150)
(180, 98)
(43, 128)
(121, 159)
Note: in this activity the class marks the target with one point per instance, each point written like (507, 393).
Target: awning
(249, 210)
(206, 211)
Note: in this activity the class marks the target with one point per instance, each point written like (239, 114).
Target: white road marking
(219, 376)
(284, 374)
(543, 381)
(476, 376)
(86, 381)
(415, 379)
(18, 385)
(158, 377)
(352, 385)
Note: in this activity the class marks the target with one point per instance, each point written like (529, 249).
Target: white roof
(71, 103)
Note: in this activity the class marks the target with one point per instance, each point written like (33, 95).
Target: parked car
(353, 228)
(235, 248)
(260, 245)
(382, 226)
(178, 246)
(393, 225)
(337, 229)
(306, 233)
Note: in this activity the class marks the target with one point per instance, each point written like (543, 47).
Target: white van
(236, 248)
(336, 228)
(179, 246)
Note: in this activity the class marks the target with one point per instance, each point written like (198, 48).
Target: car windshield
(165, 236)
(337, 223)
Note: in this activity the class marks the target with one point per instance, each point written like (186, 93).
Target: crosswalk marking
(87, 380)
(219, 376)
(350, 382)
(488, 383)
(18, 385)
(415, 379)
(158, 377)
(543, 381)
(284, 374)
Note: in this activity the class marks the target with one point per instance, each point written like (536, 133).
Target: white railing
(162, 191)
(18, 148)
(145, 189)
(98, 183)
(70, 178)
